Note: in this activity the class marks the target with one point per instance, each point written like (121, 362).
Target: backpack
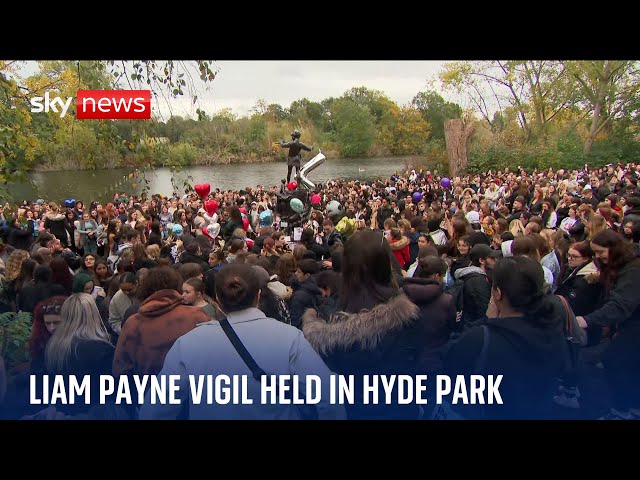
(457, 292)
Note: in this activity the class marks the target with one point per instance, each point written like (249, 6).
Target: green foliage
(15, 329)
(179, 155)
(563, 151)
(531, 113)
(435, 110)
(355, 130)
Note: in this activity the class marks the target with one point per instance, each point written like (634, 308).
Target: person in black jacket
(54, 221)
(18, 237)
(476, 285)
(307, 293)
(522, 339)
(580, 285)
(619, 276)
(41, 289)
(437, 311)
(193, 254)
(308, 240)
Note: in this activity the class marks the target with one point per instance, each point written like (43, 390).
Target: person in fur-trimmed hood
(54, 221)
(376, 329)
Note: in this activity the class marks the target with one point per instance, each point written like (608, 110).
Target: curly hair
(161, 278)
(14, 264)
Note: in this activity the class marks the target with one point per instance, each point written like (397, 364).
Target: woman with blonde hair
(79, 346)
(595, 225)
(153, 252)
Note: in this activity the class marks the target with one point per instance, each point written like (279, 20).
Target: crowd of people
(414, 274)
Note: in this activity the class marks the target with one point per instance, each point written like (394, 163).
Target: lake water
(87, 185)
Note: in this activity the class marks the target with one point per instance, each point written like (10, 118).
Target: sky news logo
(99, 104)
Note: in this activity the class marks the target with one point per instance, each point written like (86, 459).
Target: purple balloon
(445, 182)
(417, 196)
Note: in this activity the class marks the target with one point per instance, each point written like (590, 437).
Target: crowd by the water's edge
(511, 272)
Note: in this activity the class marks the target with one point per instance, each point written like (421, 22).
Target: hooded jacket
(582, 293)
(621, 304)
(383, 340)
(305, 296)
(476, 293)
(148, 335)
(20, 239)
(437, 319)
(529, 355)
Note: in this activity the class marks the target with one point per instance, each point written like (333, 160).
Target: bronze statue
(294, 158)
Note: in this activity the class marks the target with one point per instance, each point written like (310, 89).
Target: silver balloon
(210, 218)
(308, 167)
(213, 230)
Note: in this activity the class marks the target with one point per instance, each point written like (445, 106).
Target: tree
(411, 133)
(355, 129)
(306, 110)
(436, 110)
(375, 101)
(457, 135)
(166, 79)
(536, 90)
(607, 90)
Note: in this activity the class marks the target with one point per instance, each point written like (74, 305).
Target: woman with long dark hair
(522, 340)
(619, 276)
(46, 318)
(233, 221)
(61, 274)
(376, 329)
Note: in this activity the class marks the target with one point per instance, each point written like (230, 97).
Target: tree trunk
(597, 108)
(456, 136)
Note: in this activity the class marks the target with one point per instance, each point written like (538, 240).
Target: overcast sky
(240, 84)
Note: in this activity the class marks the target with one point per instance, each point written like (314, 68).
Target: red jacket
(402, 254)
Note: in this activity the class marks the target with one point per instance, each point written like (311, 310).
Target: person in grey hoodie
(122, 300)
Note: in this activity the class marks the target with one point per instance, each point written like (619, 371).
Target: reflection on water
(91, 184)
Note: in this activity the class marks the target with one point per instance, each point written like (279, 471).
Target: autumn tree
(435, 110)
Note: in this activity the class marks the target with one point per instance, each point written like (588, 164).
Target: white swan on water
(360, 169)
